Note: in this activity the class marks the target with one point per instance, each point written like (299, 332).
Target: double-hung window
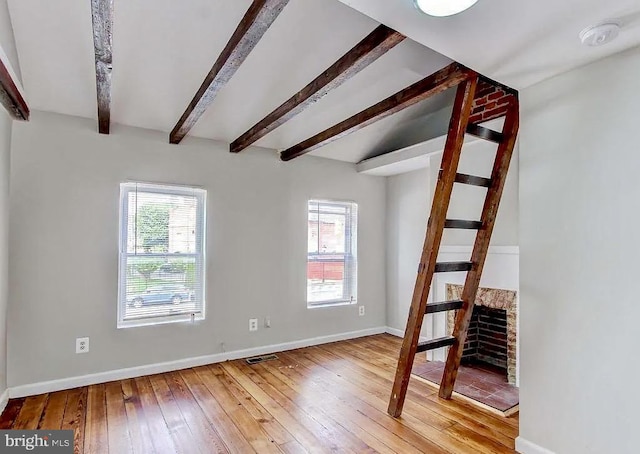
(332, 262)
(162, 236)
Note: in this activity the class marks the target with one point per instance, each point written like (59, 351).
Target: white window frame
(201, 197)
(351, 257)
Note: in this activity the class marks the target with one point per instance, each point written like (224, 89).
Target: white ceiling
(162, 50)
(516, 42)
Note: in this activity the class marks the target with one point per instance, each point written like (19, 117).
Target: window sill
(123, 324)
(331, 304)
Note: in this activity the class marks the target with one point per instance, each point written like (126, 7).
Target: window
(161, 254)
(332, 253)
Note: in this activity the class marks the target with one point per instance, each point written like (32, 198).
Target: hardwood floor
(329, 398)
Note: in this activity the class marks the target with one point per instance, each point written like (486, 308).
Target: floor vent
(261, 359)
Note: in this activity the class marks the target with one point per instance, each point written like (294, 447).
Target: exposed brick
(475, 118)
(495, 113)
(484, 92)
(490, 102)
(496, 95)
(482, 85)
(505, 100)
(480, 101)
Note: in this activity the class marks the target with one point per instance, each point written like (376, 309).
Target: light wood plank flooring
(329, 398)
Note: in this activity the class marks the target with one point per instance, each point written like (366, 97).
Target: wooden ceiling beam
(102, 20)
(10, 96)
(252, 27)
(372, 47)
(437, 82)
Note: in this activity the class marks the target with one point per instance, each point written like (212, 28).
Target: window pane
(331, 267)
(161, 223)
(325, 279)
(162, 254)
(160, 286)
(332, 233)
(313, 229)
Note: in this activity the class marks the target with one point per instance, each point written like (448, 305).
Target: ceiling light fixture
(600, 34)
(442, 8)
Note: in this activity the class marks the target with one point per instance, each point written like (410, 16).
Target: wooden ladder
(438, 221)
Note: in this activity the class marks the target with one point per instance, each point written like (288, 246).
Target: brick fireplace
(492, 337)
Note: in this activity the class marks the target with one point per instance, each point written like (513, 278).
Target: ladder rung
(473, 180)
(485, 133)
(444, 267)
(443, 306)
(435, 343)
(462, 224)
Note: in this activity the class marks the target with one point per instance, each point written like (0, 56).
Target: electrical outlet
(267, 322)
(82, 345)
(253, 324)
(360, 311)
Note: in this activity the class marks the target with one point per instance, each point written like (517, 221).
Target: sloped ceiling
(518, 43)
(162, 50)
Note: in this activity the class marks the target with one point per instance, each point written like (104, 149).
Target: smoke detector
(600, 34)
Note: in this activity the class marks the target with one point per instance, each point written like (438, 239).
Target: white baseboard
(157, 368)
(394, 331)
(4, 399)
(524, 446)
(399, 333)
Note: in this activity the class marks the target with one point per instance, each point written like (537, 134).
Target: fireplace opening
(487, 341)
(493, 333)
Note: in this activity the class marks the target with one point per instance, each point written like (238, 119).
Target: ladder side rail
(480, 248)
(435, 226)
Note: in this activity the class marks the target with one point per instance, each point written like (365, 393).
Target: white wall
(8, 45)
(64, 246)
(408, 204)
(467, 201)
(5, 145)
(409, 198)
(7, 39)
(579, 216)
